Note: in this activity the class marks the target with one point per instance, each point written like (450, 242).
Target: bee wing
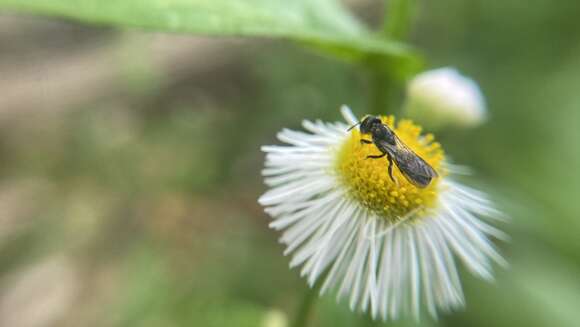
(414, 168)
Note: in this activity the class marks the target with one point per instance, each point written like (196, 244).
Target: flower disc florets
(368, 180)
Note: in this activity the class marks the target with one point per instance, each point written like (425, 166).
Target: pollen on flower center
(368, 180)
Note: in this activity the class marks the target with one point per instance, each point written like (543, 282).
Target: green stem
(397, 19)
(306, 306)
(396, 25)
(380, 93)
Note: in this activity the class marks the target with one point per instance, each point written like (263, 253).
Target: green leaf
(323, 24)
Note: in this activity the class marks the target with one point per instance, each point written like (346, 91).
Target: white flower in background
(274, 318)
(442, 97)
(391, 248)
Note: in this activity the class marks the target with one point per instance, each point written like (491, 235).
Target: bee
(416, 170)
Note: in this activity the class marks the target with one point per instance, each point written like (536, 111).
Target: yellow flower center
(368, 180)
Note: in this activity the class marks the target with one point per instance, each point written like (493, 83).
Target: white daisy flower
(389, 247)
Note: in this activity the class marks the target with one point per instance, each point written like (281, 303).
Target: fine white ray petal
(302, 190)
(396, 271)
(348, 115)
(369, 293)
(291, 177)
(426, 264)
(475, 236)
(326, 249)
(332, 132)
(345, 254)
(357, 267)
(415, 281)
(278, 170)
(300, 212)
(471, 256)
(351, 265)
(448, 281)
(281, 210)
(442, 286)
(386, 280)
(312, 246)
(299, 232)
(282, 150)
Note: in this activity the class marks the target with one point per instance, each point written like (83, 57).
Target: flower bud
(442, 97)
(275, 318)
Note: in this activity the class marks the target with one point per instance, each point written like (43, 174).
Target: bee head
(368, 123)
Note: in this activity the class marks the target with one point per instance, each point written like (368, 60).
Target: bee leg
(377, 156)
(391, 170)
(363, 141)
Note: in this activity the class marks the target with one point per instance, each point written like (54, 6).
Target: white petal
(348, 115)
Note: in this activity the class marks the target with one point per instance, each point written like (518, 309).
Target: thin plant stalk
(304, 313)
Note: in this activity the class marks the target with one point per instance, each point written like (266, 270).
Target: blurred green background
(130, 166)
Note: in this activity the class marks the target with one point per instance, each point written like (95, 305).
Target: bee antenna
(353, 126)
